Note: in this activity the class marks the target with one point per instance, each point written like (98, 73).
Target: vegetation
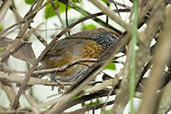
(146, 72)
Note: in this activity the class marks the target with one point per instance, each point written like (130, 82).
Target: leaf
(76, 97)
(50, 11)
(1, 49)
(1, 27)
(89, 27)
(25, 52)
(93, 103)
(105, 1)
(4, 42)
(29, 1)
(111, 66)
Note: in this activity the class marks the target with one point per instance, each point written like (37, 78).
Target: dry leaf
(24, 52)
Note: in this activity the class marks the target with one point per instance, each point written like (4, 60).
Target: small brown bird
(87, 44)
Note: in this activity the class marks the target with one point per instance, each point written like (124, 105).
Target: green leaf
(92, 103)
(109, 111)
(1, 49)
(1, 27)
(88, 27)
(111, 66)
(76, 97)
(105, 1)
(50, 10)
(29, 1)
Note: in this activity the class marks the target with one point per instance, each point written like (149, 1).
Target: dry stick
(154, 22)
(76, 101)
(144, 53)
(79, 100)
(85, 13)
(23, 85)
(85, 98)
(10, 50)
(17, 44)
(28, 22)
(117, 9)
(66, 15)
(120, 4)
(107, 18)
(123, 87)
(112, 15)
(9, 111)
(115, 82)
(27, 17)
(32, 30)
(9, 90)
(145, 69)
(32, 104)
(38, 36)
(4, 8)
(30, 15)
(33, 81)
(10, 27)
(165, 100)
(102, 86)
(64, 67)
(159, 63)
(87, 108)
(58, 69)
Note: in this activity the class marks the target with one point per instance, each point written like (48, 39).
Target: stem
(133, 54)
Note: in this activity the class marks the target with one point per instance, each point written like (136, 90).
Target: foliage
(93, 103)
(88, 27)
(16, 44)
(50, 9)
(111, 66)
(29, 1)
(1, 27)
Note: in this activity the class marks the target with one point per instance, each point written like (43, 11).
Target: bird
(87, 44)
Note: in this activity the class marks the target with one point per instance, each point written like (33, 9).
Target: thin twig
(4, 8)
(143, 57)
(33, 81)
(159, 63)
(27, 17)
(64, 67)
(112, 15)
(29, 21)
(120, 4)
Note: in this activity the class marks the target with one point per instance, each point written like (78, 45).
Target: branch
(28, 22)
(112, 15)
(33, 81)
(142, 58)
(159, 63)
(4, 8)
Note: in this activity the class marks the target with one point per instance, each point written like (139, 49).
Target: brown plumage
(87, 44)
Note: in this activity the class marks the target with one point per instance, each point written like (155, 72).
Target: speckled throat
(104, 38)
